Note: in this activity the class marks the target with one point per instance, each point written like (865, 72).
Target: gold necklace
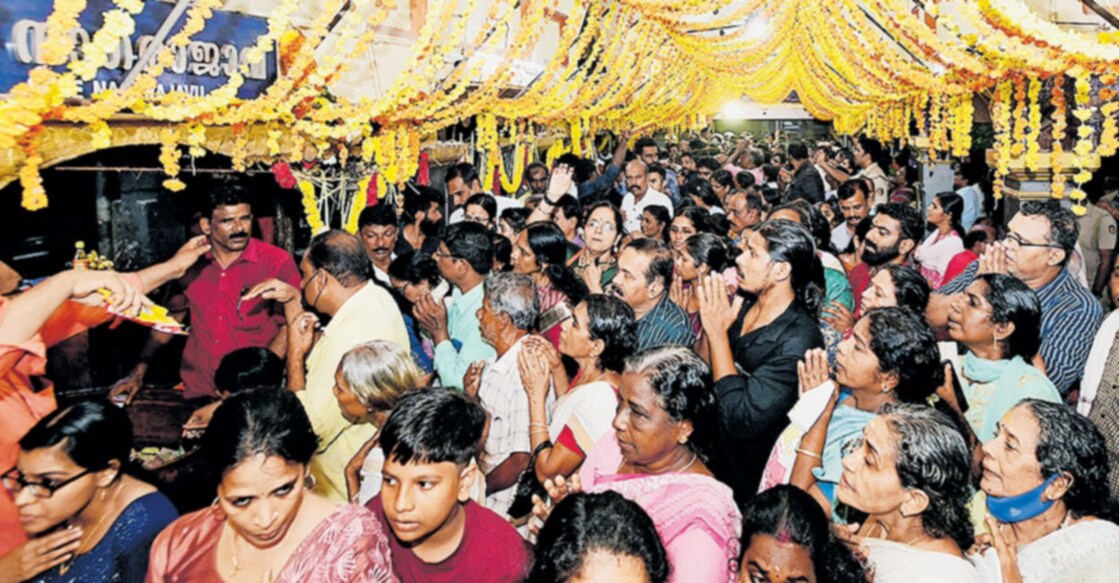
(235, 561)
(64, 567)
(597, 378)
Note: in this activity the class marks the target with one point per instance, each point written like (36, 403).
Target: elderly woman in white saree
(1045, 477)
(910, 476)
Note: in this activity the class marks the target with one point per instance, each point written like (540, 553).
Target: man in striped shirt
(644, 274)
(1036, 250)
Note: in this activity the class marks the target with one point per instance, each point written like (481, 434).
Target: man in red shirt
(41, 317)
(219, 321)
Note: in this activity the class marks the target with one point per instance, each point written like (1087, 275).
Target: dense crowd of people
(722, 359)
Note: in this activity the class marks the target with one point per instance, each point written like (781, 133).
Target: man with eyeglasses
(337, 284)
(464, 258)
(1036, 250)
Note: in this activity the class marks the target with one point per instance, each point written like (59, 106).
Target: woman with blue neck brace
(1045, 477)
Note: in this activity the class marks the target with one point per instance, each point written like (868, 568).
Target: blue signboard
(204, 64)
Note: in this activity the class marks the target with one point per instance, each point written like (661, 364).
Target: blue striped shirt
(1070, 317)
(665, 324)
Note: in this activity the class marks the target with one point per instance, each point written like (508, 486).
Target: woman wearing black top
(754, 345)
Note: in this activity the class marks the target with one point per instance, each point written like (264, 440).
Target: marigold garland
(311, 206)
(1060, 123)
(841, 58)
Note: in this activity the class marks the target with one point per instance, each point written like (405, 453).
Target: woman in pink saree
(265, 525)
(657, 457)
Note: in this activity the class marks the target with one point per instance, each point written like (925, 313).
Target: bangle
(810, 454)
(540, 425)
(549, 202)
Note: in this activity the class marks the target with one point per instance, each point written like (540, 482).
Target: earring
(309, 482)
(683, 440)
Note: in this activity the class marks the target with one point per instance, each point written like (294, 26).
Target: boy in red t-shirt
(439, 533)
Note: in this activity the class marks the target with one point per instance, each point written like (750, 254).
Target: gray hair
(379, 372)
(513, 294)
(932, 456)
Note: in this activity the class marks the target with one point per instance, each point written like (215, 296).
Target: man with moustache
(744, 211)
(639, 195)
(219, 321)
(854, 205)
(378, 231)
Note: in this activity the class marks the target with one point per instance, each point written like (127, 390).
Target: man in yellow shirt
(337, 282)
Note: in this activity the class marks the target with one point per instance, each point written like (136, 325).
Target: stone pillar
(1021, 185)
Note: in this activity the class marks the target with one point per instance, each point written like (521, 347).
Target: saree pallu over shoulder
(678, 502)
(1086, 552)
(348, 546)
(694, 514)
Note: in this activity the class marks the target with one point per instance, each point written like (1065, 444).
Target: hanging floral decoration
(873, 66)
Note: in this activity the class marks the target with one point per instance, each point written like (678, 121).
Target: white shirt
(383, 276)
(631, 209)
(1097, 359)
(503, 396)
(841, 237)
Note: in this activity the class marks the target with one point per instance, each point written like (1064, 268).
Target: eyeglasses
(603, 226)
(15, 482)
(1018, 241)
(439, 254)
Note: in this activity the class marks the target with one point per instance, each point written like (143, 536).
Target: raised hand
(301, 334)
(533, 367)
(592, 276)
(838, 317)
(189, 253)
(432, 316)
(994, 259)
(813, 371)
(541, 348)
(559, 184)
(472, 380)
(89, 287)
(676, 292)
(1006, 547)
(716, 312)
(946, 391)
